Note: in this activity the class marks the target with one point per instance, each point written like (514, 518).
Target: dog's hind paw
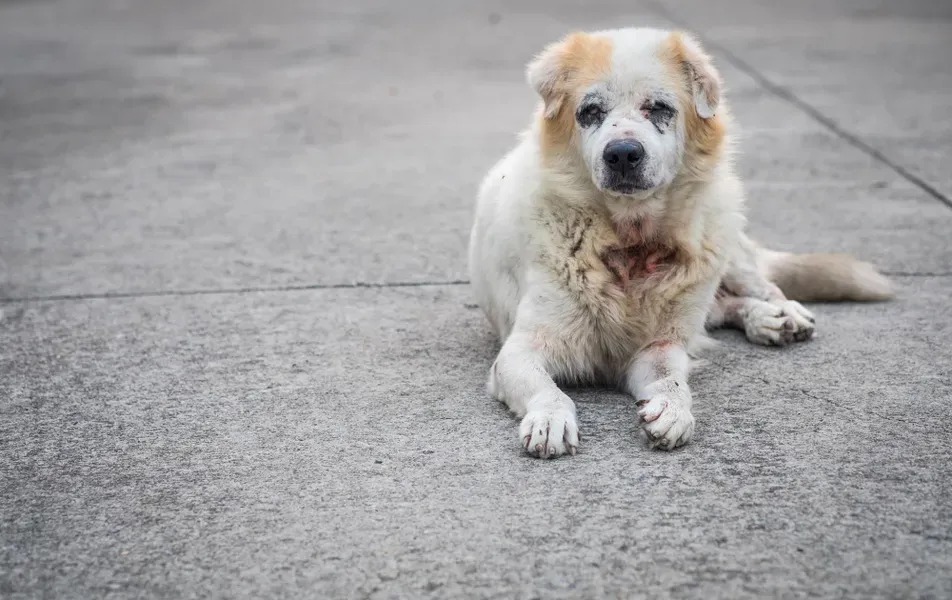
(778, 323)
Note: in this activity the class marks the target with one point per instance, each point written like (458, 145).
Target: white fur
(538, 269)
(547, 236)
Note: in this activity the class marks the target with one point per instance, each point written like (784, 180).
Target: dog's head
(635, 107)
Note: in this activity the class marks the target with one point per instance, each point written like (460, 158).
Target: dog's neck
(640, 223)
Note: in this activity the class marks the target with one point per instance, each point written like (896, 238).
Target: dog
(612, 238)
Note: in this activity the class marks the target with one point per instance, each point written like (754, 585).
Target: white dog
(612, 234)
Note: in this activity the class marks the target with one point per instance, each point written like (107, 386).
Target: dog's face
(629, 134)
(632, 105)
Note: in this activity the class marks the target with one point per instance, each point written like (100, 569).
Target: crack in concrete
(242, 290)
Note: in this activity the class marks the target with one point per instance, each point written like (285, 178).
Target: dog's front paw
(778, 324)
(666, 420)
(547, 433)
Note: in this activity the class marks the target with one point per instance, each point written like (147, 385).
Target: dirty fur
(592, 276)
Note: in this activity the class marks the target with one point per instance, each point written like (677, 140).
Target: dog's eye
(660, 108)
(590, 114)
(660, 114)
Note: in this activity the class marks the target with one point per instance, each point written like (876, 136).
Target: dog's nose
(623, 155)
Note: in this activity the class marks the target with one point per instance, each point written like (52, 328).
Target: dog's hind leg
(766, 323)
(749, 301)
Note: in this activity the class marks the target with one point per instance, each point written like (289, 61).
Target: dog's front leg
(658, 381)
(521, 377)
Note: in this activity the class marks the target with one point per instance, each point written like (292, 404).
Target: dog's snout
(623, 155)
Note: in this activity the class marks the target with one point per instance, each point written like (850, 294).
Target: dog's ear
(555, 71)
(548, 76)
(703, 78)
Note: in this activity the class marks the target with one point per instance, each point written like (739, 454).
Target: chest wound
(637, 262)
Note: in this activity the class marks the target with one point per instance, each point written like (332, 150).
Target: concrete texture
(185, 436)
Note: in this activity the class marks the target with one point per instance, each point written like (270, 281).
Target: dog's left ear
(704, 79)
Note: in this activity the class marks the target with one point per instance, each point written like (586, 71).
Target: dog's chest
(639, 281)
(622, 281)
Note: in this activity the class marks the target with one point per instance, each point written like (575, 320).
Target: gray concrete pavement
(167, 431)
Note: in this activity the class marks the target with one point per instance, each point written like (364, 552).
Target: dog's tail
(826, 277)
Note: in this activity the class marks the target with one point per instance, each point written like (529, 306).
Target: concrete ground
(239, 358)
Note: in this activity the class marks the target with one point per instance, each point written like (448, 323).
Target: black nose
(623, 155)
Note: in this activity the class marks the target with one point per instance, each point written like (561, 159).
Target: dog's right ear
(555, 71)
(547, 76)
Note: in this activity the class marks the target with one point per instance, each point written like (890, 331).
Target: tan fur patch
(583, 59)
(704, 137)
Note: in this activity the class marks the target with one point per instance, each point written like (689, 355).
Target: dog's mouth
(631, 182)
(627, 186)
